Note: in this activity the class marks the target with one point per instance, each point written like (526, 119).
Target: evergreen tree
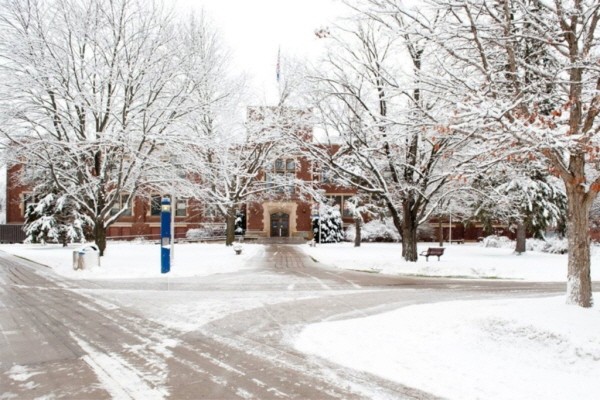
(331, 225)
(529, 199)
(240, 223)
(54, 218)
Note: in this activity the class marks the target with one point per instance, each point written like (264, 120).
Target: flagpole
(278, 73)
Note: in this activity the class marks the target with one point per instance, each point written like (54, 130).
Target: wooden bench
(433, 251)
(458, 241)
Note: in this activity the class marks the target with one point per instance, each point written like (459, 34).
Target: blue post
(165, 235)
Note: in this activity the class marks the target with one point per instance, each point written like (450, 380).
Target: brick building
(282, 214)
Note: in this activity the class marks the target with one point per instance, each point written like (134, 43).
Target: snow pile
(497, 349)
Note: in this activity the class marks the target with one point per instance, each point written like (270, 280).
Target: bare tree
(525, 75)
(232, 164)
(90, 92)
(383, 130)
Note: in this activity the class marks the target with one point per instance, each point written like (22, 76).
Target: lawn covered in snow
(470, 260)
(493, 349)
(140, 259)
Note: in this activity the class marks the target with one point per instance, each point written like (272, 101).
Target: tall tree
(524, 74)
(228, 148)
(90, 91)
(382, 131)
(234, 166)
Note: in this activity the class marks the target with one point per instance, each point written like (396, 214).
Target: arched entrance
(280, 225)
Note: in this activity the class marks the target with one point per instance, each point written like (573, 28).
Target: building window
(181, 208)
(211, 212)
(155, 205)
(155, 201)
(323, 174)
(341, 202)
(119, 204)
(281, 179)
(279, 165)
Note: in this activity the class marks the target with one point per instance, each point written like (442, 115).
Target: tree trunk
(579, 283)
(409, 233)
(358, 225)
(520, 238)
(230, 232)
(100, 236)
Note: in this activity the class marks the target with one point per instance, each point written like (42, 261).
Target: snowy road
(123, 339)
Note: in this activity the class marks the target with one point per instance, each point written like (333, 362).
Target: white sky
(254, 30)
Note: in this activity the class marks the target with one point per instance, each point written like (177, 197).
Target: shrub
(205, 232)
(552, 245)
(375, 231)
(497, 242)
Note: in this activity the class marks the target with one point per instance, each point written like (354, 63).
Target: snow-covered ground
(140, 259)
(492, 349)
(495, 349)
(470, 260)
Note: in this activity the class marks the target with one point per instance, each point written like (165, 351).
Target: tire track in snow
(118, 377)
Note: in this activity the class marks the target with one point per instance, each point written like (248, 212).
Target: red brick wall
(14, 197)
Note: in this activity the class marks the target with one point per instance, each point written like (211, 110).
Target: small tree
(54, 218)
(330, 223)
(524, 196)
(359, 206)
(240, 223)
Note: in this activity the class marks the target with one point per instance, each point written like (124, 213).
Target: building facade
(281, 214)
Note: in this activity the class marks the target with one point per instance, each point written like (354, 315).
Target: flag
(278, 66)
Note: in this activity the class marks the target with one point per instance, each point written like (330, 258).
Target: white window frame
(118, 205)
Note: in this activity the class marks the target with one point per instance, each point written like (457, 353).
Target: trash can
(86, 257)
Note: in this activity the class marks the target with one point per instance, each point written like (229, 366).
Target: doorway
(280, 225)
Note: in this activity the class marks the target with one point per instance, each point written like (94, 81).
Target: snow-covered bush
(331, 226)
(375, 231)
(497, 242)
(204, 232)
(196, 234)
(553, 245)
